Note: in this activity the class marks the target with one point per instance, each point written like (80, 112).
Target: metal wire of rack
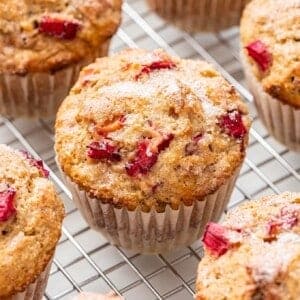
(84, 260)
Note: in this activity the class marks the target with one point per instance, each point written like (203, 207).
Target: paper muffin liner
(281, 120)
(36, 290)
(38, 95)
(200, 15)
(152, 232)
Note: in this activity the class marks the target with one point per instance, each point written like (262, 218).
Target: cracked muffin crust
(48, 35)
(270, 35)
(255, 253)
(145, 129)
(31, 216)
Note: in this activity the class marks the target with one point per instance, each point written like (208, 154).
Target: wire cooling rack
(84, 260)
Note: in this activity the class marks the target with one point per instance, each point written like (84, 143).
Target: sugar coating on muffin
(270, 34)
(43, 35)
(30, 220)
(146, 129)
(255, 253)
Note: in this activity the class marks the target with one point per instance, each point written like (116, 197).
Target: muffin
(255, 253)
(150, 146)
(44, 44)
(200, 15)
(31, 216)
(270, 34)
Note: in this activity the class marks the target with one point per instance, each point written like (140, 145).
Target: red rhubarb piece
(156, 65)
(58, 28)
(287, 219)
(104, 149)
(7, 208)
(260, 53)
(215, 239)
(165, 143)
(36, 163)
(232, 124)
(146, 156)
(143, 161)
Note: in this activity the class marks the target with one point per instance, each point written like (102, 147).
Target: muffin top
(270, 34)
(148, 129)
(47, 35)
(255, 253)
(31, 215)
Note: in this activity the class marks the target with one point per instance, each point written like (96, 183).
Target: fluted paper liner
(152, 232)
(281, 120)
(200, 15)
(38, 95)
(36, 290)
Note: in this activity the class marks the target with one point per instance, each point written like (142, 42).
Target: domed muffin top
(255, 253)
(30, 220)
(47, 35)
(270, 34)
(148, 129)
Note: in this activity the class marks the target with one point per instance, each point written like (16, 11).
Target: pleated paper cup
(151, 232)
(200, 15)
(36, 290)
(281, 120)
(39, 95)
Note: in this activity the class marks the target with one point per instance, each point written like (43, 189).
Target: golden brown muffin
(148, 129)
(255, 253)
(270, 35)
(150, 147)
(44, 44)
(31, 216)
(47, 35)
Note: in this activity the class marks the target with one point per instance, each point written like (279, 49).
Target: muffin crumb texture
(42, 36)
(145, 129)
(30, 220)
(270, 34)
(254, 253)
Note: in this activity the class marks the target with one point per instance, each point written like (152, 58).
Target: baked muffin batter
(145, 129)
(30, 220)
(270, 33)
(47, 35)
(255, 253)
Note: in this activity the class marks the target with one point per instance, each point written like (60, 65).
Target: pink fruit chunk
(165, 143)
(144, 160)
(145, 157)
(287, 219)
(36, 163)
(7, 208)
(156, 65)
(215, 239)
(232, 124)
(104, 149)
(260, 53)
(58, 28)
